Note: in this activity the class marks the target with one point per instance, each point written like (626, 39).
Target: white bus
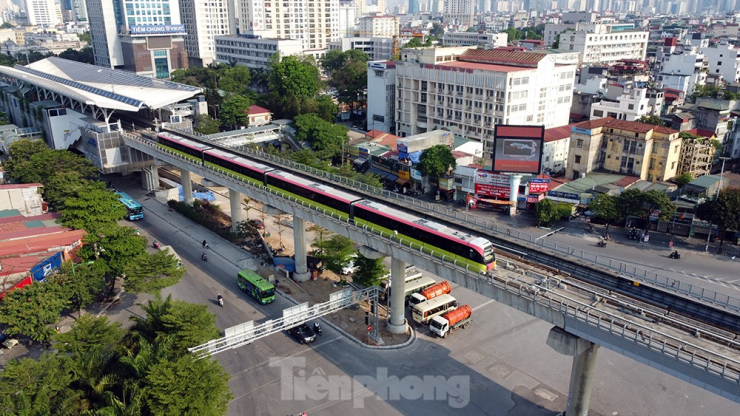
(425, 311)
(385, 284)
(416, 286)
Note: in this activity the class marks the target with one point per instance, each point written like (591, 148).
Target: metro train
(475, 252)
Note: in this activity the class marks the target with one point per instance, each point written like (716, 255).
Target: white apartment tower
(459, 12)
(378, 26)
(478, 89)
(724, 60)
(204, 20)
(314, 23)
(43, 13)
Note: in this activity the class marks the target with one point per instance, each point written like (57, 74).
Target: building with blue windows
(141, 36)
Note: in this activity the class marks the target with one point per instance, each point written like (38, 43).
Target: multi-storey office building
(605, 43)
(469, 92)
(252, 51)
(144, 37)
(204, 20)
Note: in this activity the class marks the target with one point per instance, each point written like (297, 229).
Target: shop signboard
(538, 185)
(492, 190)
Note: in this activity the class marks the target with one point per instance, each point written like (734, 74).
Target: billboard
(141, 30)
(492, 190)
(518, 149)
(538, 186)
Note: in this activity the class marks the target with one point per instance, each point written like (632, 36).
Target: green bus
(255, 286)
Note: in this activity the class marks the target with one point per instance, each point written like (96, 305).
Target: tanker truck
(457, 318)
(442, 288)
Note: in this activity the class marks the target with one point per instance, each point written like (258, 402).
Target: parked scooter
(675, 255)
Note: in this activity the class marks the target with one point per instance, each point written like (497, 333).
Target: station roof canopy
(100, 86)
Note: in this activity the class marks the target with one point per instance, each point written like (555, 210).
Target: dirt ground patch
(351, 320)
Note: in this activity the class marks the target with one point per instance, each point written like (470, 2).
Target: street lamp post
(719, 187)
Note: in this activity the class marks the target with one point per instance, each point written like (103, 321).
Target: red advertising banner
(538, 186)
(491, 190)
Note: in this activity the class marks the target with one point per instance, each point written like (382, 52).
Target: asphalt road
(499, 365)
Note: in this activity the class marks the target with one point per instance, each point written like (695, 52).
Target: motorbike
(317, 327)
(601, 243)
(220, 301)
(675, 255)
(155, 244)
(204, 257)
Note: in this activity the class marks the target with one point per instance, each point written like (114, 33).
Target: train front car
(188, 148)
(456, 246)
(251, 171)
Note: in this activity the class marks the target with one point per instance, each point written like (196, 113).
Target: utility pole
(719, 188)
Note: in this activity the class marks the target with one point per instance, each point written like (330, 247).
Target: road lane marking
(482, 305)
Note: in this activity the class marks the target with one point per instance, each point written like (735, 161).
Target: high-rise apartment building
(43, 13)
(459, 12)
(315, 23)
(204, 20)
(144, 37)
(347, 19)
(378, 26)
(413, 6)
(469, 92)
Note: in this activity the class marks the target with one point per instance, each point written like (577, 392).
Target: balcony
(421, 122)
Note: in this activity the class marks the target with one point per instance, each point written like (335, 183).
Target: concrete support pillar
(148, 181)
(582, 372)
(235, 202)
(187, 186)
(514, 181)
(397, 322)
(581, 379)
(302, 273)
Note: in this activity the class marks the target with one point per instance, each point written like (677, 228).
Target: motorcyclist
(204, 256)
(220, 299)
(205, 244)
(317, 327)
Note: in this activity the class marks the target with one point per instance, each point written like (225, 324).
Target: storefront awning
(376, 171)
(359, 161)
(495, 201)
(391, 178)
(401, 181)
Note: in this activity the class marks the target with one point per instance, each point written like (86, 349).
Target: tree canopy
(651, 119)
(152, 272)
(31, 309)
(369, 271)
(233, 111)
(293, 76)
(604, 206)
(93, 208)
(641, 204)
(84, 55)
(436, 160)
(335, 252)
(683, 179)
(204, 124)
(326, 138)
(724, 211)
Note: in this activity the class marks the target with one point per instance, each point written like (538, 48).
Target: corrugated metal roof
(502, 57)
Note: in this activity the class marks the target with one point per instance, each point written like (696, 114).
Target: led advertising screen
(518, 149)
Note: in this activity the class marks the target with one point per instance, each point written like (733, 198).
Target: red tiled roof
(20, 186)
(557, 133)
(502, 57)
(255, 109)
(626, 181)
(701, 133)
(633, 126)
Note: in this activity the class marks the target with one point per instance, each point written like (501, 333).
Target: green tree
(332, 60)
(6, 25)
(204, 124)
(89, 332)
(326, 109)
(152, 272)
(84, 55)
(414, 43)
(436, 160)
(546, 212)
(31, 309)
(113, 251)
(85, 37)
(62, 186)
(235, 80)
(92, 208)
(641, 204)
(180, 323)
(293, 76)
(437, 30)
(31, 387)
(335, 253)
(651, 119)
(350, 79)
(683, 179)
(604, 206)
(724, 211)
(20, 152)
(187, 386)
(556, 43)
(42, 165)
(234, 111)
(369, 271)
(81, 284)
(326, 138)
